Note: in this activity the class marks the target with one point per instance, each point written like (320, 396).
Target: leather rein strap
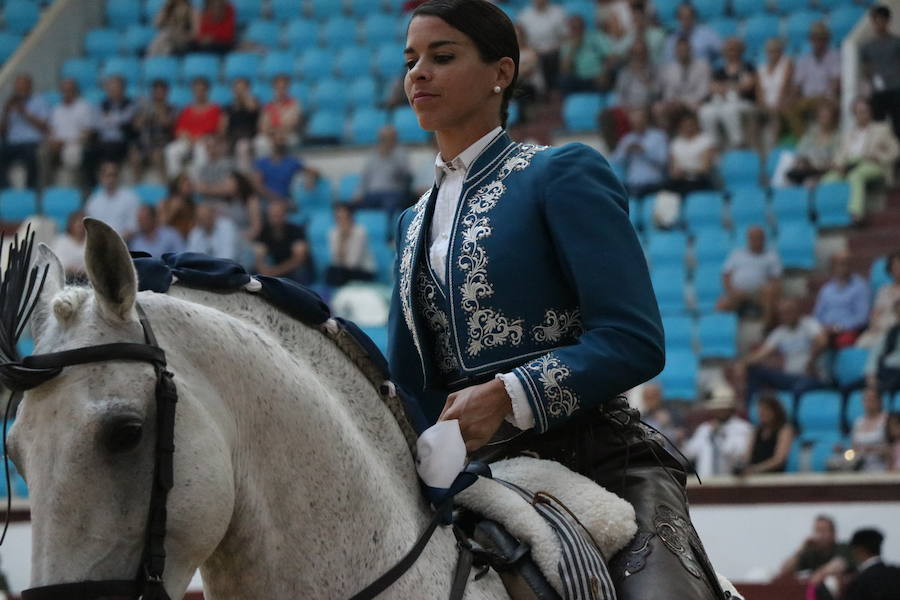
(148, 582)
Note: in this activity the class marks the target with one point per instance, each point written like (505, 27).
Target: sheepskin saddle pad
(571, 525)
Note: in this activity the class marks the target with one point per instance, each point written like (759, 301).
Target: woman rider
(523, 306)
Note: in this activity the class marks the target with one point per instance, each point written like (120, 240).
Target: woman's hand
(480, 410)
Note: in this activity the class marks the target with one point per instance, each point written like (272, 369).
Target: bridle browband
(148, 582)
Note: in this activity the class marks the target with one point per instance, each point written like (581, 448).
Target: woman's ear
(505, 72)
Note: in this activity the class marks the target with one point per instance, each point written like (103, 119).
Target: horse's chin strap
(148, 582)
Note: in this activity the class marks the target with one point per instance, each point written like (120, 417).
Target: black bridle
(148, 582)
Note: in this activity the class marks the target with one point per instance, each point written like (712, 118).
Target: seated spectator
(867, 153)
(114, 128)
(348, 242)
(874, 579)
(704, 42)
(819, 556)
(274, 174)
(178, 210)
(546, 29)
(718, 446)
(773, 85)
(23, 125)
(617, 45)
(655, 414)
(646, 31)
(751, 277)
(817, 79)
(215, 28)
(213, 234)
(843, 304)
(530, 82)
(732, 96)
(692, 158)
(113, 204)
(771, 442)
(868, 436)
(281, 248)
(685, 85)
(153, 237)
(883, 317)
(797, 341)
(215, 180)
(175, 25)
(642, 155)
(892, 435)
(68, 246)
(637, 86)
(198, 119)
(883, 364)
(154, 123)
(880, 57)
(386, 176)
(281, 115)
(817, 148)
(242, 122)
(70, 129)
(582, 57)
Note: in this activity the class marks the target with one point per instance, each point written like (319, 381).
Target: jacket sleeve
(586, 214)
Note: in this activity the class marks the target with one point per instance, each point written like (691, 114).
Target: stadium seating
(878, 274)
(137, 38)
(707, 287)
(338, 32)
(315, 63)
(348, 186)
(353, 61)
(17, 205)
(679, 332)
(667, 249)
(790, 204)
(379, 29)
(849, 367)
(20, 16)
(717, 335)
(276, 63)
(315, 199)
(364, 125)
(126, 67)
(301, 35)
(150, 193)
(739, 168)
(819, 412)
(101, 43)
(121, 14)
(263, 33)
(843, 18)
(388, 60)
(246, 10)
(712, 246)
(668, 285)
(580, 111)
(9, 43)
(82, 70)
(285, 10)
(702, 209)
(200, 65)
(748, 207)
(325, 126)
(830, 205)
(407, 125)
(242, 64)
(796, 245)
(58, 203)
(679, 378)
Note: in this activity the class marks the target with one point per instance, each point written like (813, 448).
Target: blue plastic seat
(150, 193)
(679, 330)
(326, 125)
(180, 96)
(379, 28)
(748, 207)
(101, 43)
(707, 287)
(702, 209)
(830, 204)
(746, 8)
(878, 275)
(363, 8)
(20, 16)
(739, 168)
(200, 64)
(338, 32)
(790, 204)
(726, 27)
(353, 61)
(315, 63)
(712, 245)
(820, 412)
(580, 111)
(668, 285)
(347, 187)
(82, 70)
(299, 91)
(667, 248)
(587, 11)
(329, 93)
(220, 94)
(242, 64)
(679, 378)
(301, 35)
(277, 63)
(285, 10)
(363, 92)
(152, 8)
(843, 19)
(407, 125)
(786, 7)
(59, 202)
(165, 68)
(121, 14)
(126, 67)
(796, 245)
(388, 60)
(325, 9)
(758, 29)
(365, 124)
(796, 28)
(262, 91)
(136, 38)
(9, 43)
(849, 366)
(17, 205)
(708, 9)
(717, 334)
(263, 32)
(246, 10)
(317, 198)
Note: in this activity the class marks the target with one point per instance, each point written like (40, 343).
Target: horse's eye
(123, 436)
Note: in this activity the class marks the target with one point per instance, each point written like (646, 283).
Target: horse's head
(85, 440)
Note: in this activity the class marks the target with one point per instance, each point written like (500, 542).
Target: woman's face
(766, 416)
(688, 127)
(447, 83)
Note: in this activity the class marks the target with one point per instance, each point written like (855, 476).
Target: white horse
(292, 478)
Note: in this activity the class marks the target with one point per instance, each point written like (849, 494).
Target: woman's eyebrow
(433, 45)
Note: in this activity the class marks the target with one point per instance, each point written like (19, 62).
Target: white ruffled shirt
(449, 177)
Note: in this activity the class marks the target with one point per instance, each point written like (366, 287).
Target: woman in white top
(692, 157)
(348, 243)
(868, 437)
(773, 77)
(69, 246)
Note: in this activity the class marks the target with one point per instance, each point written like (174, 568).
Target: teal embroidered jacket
(545, 278)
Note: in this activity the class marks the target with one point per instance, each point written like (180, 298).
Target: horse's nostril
(123, 436)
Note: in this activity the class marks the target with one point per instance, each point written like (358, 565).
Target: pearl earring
(497, 89)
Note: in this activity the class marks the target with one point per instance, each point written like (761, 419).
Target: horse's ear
(54, 282)
(109, 269)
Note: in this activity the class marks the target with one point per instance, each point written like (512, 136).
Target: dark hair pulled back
(487, 26)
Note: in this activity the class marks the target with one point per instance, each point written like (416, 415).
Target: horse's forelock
(67, 302)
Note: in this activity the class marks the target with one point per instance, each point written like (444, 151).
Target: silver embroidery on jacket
(438, 322)
(406, 266)
(486, 326)
(558, 324)
(550, 372)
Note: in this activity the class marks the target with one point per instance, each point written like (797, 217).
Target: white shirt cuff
(522, 416)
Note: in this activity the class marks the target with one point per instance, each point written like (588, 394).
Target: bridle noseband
(148, 582)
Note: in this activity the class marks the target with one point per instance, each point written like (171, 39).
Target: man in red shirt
(215, 28)
(198, 119)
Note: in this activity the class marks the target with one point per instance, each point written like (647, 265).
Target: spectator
(874, 580)
(618, 9)
(892, 450)
(348, 242)
(153, 237)
(704, 42)
(867, 153)
(655, 414)
(883, 317)
(692, 158)
(843, 304)
(115, 205)
(274, 174)
(154, 123)
(282, 114)
(215, 28)
(282, 249)
(215, 180)
(773, 79)
(213, 234)
(637, 86)
(175, 25)
(386, 177)
(114, 128)
(642, 155)
(817, 148)
(883, 365)
(798, 340)
(820, 555)
(718, 446)
(751, 277)
(617, 45)
(582, 59)
(817, 79)
(771, 442)
(178, 210)
(647, 32)
(242, 122)
(531, 79)
(546, 29)
(198, 119)
(685, 84)
(869, 434)
(24, 124)
(732, 95)
(881, 63)
(68, 246)
(70, 128)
